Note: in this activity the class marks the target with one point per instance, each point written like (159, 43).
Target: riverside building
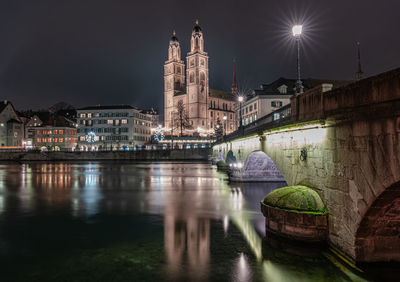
(121, 127)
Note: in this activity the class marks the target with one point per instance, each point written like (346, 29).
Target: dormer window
(282, 89)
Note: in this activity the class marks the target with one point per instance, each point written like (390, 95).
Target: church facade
(202, 106)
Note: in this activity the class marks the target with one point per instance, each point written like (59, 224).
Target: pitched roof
(112, 107)
(308, 83)
(221, 94)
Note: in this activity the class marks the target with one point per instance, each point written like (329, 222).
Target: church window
(202, 62)
(192, 63)
(211, 114)
(255, 106)
(202, 122)
(197, 43)
(178, 69)
(230, 116)
(211, 104)
(251, 108)
(202, 77)
(191, 78)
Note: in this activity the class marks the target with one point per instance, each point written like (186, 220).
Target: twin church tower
(202, 105)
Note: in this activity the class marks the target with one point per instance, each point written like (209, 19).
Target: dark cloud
(112, 52)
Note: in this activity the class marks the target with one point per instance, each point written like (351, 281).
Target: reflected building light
(2, 206)
(243, 271)
(226, 224)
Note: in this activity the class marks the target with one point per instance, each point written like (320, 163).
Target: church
(202, 106)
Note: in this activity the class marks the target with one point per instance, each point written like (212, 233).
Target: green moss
(295, 198)
(294, 125)
(221, 163)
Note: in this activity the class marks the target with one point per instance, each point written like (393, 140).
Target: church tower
(197, 84)
(174, 78)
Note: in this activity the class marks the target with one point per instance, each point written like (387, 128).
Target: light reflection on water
(211, 230)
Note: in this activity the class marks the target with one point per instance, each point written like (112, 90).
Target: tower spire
(234, 85)
(359, 73)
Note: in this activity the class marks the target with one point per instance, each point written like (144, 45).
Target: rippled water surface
(107, 221)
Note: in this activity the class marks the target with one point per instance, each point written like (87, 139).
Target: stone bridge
(344, 143)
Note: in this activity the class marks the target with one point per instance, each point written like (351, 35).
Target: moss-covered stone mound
(295, 198)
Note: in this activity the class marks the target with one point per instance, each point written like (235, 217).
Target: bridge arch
(378, 235)
(258, 166)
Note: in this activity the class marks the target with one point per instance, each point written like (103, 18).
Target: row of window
(224, 106)
(56, 140)
(249, 108)
(90, 115)
(103, 121)
(114, 138)
(104, 129)
(56, 132)
(249, 120)
(105, 138)
(142, 131)
(212, 115)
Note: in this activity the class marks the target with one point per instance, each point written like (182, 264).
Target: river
(169, 221)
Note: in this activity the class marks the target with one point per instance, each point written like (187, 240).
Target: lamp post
(297, 29)
(224, 118)
(240, 113)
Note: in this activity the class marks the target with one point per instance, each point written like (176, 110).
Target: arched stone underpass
(258, 167)
(378, 236)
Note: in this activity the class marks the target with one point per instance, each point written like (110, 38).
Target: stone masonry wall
(349, 163)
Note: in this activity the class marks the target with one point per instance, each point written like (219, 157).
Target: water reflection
(209, 229)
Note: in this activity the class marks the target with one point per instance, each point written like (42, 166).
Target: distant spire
(197, 21)
(359, 73)
(234, 85)
(174, 33)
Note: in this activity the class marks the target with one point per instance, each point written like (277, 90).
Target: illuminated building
(120, 127)
(203, 106)
(275, 95)
(11, 128)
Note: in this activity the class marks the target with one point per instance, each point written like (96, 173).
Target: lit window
(124, 121)
(61, 140)
(55, 131)
(60, 132)
(110, 121)
(38, 140)
(89, 115)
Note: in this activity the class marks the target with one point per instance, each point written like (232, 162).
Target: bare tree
(181, 118)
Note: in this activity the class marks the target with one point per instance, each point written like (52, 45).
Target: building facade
(202, 106)
(112, 128)
(55, 138)
(270, 97)
(11, 128)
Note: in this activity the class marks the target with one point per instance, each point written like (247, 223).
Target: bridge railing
(280, 117)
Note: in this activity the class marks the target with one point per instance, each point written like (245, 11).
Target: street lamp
(297, 29)
(225, 118)
(240, 111)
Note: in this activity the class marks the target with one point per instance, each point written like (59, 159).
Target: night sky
(112, 52)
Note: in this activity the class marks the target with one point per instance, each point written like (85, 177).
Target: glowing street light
(240, 111)
(297, 30)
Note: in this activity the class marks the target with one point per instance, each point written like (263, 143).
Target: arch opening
(378, 236)
(258, 167)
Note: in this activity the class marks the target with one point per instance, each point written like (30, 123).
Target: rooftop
(112, 107)
(308, 83)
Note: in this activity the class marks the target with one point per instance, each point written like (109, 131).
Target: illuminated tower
(174, 78)
(197, 85)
